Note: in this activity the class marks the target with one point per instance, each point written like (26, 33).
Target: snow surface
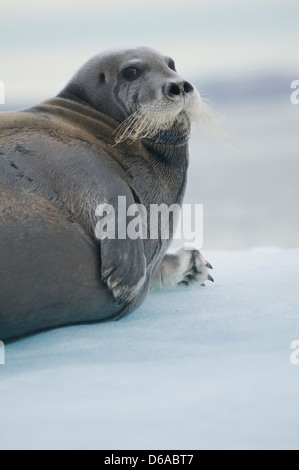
(193, 368)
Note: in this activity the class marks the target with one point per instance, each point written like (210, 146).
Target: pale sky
(43, 43)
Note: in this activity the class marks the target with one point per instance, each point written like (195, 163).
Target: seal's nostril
(188, 87)
(174, 89)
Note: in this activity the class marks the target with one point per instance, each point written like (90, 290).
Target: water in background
(250, 193)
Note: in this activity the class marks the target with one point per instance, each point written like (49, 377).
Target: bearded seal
(120, 127)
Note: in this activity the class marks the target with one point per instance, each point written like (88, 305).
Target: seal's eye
(102, 78)
(171, 65)
(130, 73)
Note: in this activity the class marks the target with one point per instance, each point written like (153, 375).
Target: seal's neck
(170, 145)
(172, 155)
(167, 148)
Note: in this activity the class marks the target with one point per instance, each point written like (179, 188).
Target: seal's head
(141, 89)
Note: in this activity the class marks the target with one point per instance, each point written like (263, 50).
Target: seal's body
(120, 128)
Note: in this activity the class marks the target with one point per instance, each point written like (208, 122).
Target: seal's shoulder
(21, 120)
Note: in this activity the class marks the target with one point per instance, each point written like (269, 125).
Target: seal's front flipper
(123, 268)
(183, 268)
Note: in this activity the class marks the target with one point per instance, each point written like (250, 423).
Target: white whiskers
(205, 117)
(149, 120)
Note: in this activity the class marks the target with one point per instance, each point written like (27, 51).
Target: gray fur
(58, 162)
